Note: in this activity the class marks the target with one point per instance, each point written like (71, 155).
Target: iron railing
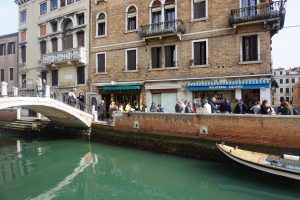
(162, 28)
(275, 9)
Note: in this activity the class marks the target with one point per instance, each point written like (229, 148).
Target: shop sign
(228, 87)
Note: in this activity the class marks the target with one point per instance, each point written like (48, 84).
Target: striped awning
(228, 85)
(122, 87)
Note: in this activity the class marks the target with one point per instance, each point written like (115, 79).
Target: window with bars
(101, 25)
(156, 57)
(200, 53)
(80, 39)
(23, 53)
(54, 76)
(101, 63)
(54, 44)
(199, 9)
(80, 75)
(11, 74)
(131, 59)
(250, 48)
(43, 47)
(2, 49)
(11, 49)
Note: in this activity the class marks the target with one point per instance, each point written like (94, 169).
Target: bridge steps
(23, 125)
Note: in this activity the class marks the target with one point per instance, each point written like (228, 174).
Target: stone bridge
(58, 112)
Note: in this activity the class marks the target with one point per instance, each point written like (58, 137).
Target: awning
(122, 87)
(228, 85)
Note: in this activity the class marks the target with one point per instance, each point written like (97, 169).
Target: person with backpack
(225, 106)
(178, 107)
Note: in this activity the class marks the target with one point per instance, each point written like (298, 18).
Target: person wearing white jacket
(206, 107)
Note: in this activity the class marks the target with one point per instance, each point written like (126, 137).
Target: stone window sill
(250, 62)
(199, 19)
(199, 66)
(163, 68)
(131, 31)
(101, 73)
(131, 71)
(100, 36)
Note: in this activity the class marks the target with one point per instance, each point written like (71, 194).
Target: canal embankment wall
(8, 115)
(266, 130)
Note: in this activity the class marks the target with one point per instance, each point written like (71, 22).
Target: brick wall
(278, 131)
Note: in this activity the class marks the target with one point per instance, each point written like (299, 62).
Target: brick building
(169, 50)
(54, 44)
(9, 58)
(296, 94)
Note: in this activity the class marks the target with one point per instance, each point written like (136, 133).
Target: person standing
(188, 108)
(286, 109)
(39, 86)
(72, 98)
(178, 107)
(81, 99)
(225, 106)
(102, 110)
(265, 109)
(207, 108)
(44, 84)
(256, 108)
(240, 107)
(213, 105)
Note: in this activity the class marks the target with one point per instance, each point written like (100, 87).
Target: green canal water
(70, 169)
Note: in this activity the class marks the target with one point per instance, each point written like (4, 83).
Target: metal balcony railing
(162, 28)
(275, 9)
(75, 54)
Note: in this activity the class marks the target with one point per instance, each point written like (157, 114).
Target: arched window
(68, 36)
(101, 24)
(156, 12)
(131, 19)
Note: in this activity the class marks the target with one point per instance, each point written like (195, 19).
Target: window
(200, 52)
(62, 3)
(101, 63)
(131, 59)
(23, 53)
(11, 74)
(43, 47)
(287, 81)
(199, 9)
(274, 73)
(23, 16)
(80, 39)
(287, 90)
(11, 49)
(23, 36)
(53, 4)
(131, 16)
(68, 36)
(170, 56)
(43, 8)
(43, 30)
(54, 76)
(250, 48)
(281, 90)
(80, 75)
(54, 26)
(280, 72)
(54, 44)
(2, 49)
(70, 2)
(293, 80)
(80, 19)
(281, 81)
(248, 6)
(156, 57)
(101, 25)
(2, 75)
(23, 79)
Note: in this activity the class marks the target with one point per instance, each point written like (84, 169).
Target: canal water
(70, 169)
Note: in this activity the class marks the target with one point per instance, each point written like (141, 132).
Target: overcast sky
(285, 44)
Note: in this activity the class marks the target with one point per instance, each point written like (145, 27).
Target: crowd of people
(73, 100)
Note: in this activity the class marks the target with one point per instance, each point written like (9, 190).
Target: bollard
(95, 116)
(47, 93)
(4, 89)
(15, 89)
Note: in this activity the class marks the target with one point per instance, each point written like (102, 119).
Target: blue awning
(122, 87)
(228, 85)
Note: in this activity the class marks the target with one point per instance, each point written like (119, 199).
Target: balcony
(267, 12)
(76, 56)
(161, 29)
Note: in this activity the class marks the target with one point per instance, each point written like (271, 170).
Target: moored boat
(287, 166)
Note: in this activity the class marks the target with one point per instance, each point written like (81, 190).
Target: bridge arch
(58, 112)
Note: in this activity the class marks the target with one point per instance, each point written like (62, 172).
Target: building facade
(163, 51)
(54, 44)
(9, 58)
(286, 79)
(296, 94)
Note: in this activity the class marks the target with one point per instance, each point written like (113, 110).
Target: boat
(286, 166)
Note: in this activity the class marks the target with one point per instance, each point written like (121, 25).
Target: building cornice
(9, 35)
(21, 2)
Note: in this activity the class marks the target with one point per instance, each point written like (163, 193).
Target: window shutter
(203, 53)
(80, 39)
(131, 60)
(43, 30)
(154, 57)
(197, 53)
(23, 36)
(68, 41)
(54, 44)
(168, 56)
(101, 63)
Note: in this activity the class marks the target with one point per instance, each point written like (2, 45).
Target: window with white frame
(170, 56)
(23, 16)
(70, 2)
(43, 8)
(249, 48)
(200, 52)
(163, 57)
(131, 60)
(199, 9)
(101, 63)
(101, 25)
(53, 4)
(156, 57)
(131, 19)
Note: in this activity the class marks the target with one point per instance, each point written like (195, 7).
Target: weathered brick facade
(223, 44)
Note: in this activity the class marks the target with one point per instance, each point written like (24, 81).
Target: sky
(285, 44)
